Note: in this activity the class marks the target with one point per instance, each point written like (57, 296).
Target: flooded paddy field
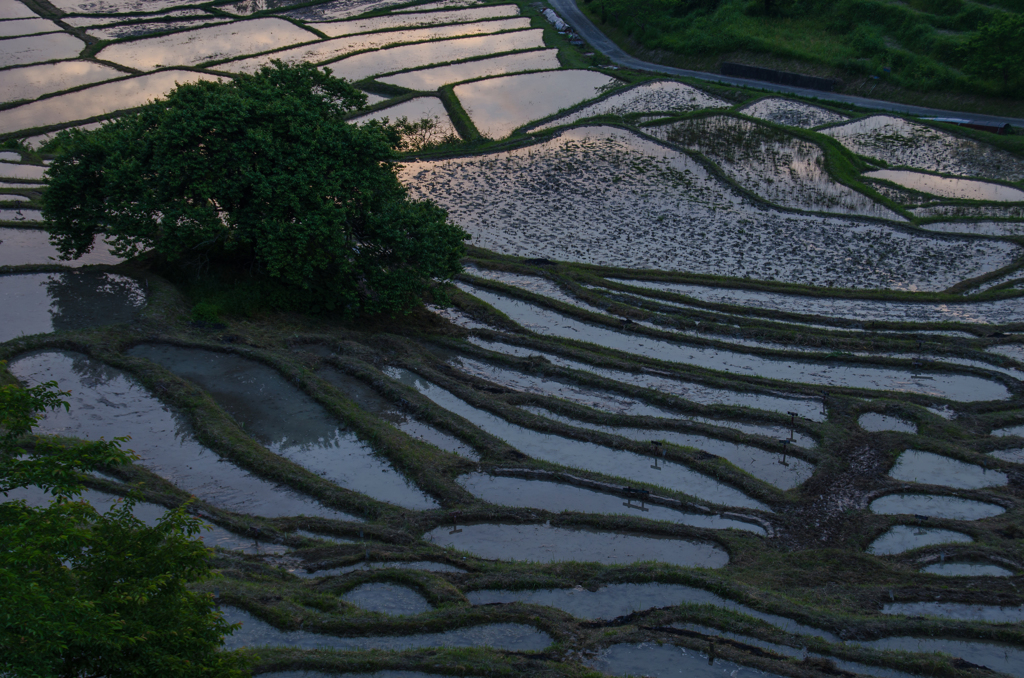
(860, 310)
(782, 169)
(902, 143)
(705, 403)
(414, 110)
(428, 79)
(27, 246)
(551, 200)
(666, 97)
(791, 113)
(547, 322)
(964, 189)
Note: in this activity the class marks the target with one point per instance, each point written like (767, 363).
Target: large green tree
(263, 173)
(86, 594)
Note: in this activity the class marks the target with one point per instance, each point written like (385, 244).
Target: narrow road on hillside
(602, 43)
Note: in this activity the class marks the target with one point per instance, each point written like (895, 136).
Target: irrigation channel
(730, 384)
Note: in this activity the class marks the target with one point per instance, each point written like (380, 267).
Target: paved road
(602, 43)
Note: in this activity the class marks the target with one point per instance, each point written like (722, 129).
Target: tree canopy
(997, 48)
(262, 173)
(88, 594)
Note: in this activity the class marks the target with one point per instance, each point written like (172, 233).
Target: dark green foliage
(997, 48)
(258, 179)
(86, 594)
(919, 41)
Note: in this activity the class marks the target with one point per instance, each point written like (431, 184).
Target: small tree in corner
(88, 594)
(260, 175)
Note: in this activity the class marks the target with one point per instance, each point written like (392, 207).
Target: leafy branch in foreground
(88, 594)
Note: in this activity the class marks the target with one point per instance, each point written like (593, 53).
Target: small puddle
(212, 43)
(150, 514)
(34, 303)
(773, 468)
(994, 656)
(967, 570)
(650, 97)
(366, 566)
(547, 322)
(552, 496)
(902, 538)
(256, 632)
(577, 454)
(792, 113)
(371, 401)
(962, 189)
(656, 660)
(873, 421)
(608, 602)
(23, 246)
(961, 611)
(500, 105)
(935, 506)
(288, 422)
(97, 100)
(106, 402)
(547, 544)
(387, 599)
(430, 79)
(689, 390)
(924, 467)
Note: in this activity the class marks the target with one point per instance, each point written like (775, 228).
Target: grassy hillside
(918, 41)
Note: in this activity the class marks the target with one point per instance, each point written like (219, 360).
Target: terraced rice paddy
(783, 170)
(32, 82)
(429, 79)
(902, 143)
(389, 22)
(552, 200)
(944, 187)
(714, 396)
(416, 110)
(792, 113)
(666, 97)
(498, 106)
